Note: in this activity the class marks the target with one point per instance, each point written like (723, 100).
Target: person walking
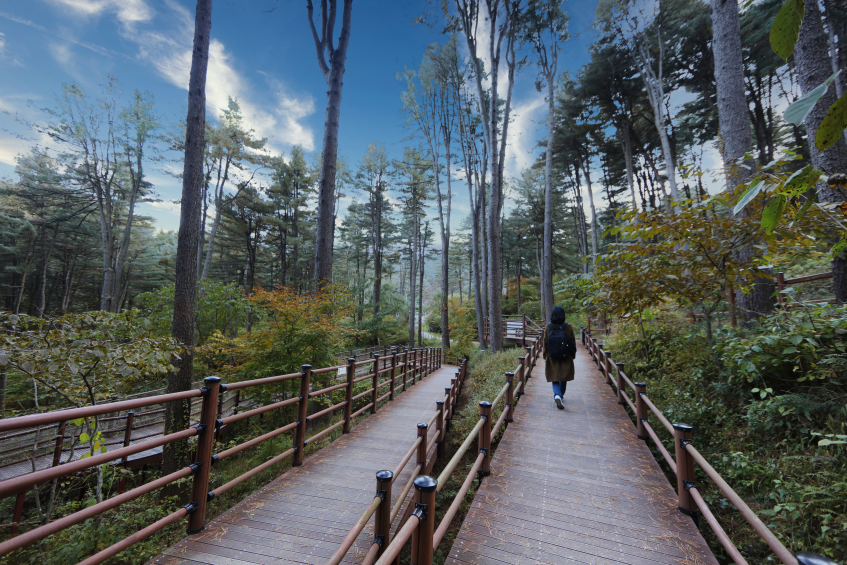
(558, 348)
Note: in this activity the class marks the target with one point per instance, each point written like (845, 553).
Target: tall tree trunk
(547, 261)
(177, 414)
(413, 257)
(594, 243)
(736, 136)
(420, 290)
(626, 143)
(333, 75)
(653, 85)
(483, 242)
(46, 251)
(813, 67)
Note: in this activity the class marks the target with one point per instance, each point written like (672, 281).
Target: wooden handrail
(210, 422)
(427, 537)
(685, 472)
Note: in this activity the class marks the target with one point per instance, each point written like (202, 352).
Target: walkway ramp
(303, 516)
(576, 486)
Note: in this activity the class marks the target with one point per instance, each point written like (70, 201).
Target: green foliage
(801, 345)
(786, 27)
(462, 325)
(832, 125)
(85, 358)
(487, 377)
(221, 308)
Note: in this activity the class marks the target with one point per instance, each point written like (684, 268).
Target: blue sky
(262, 53)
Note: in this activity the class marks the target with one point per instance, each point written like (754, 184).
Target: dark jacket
(557, 370)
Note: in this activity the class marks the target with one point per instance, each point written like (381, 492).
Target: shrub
(486, 378)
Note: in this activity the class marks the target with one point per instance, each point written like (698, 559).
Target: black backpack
(559, 345)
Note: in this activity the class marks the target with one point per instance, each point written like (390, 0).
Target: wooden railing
(407, 366)
(516, 327)
(684, 459)
(418, 522)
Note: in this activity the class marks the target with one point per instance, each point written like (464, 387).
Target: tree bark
(413, 257)
(333, 75)
(594, 242)
(177, 414)
(547, 259)
(420, 288)
(814, 67)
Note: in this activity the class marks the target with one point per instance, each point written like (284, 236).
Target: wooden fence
(516, 328)
(684, 459)
(408, 366)
(418, 522)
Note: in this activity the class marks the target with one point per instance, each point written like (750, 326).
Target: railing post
(382, 517)
(439, 430)
(202, 467)
(601, 355)
(425, 510)
(405, 366)
(375, 380)
(422, 429)
(454, 396)
(448, 391)
(620, 382)
(302, 412)
(485, 439)
(18, 513)
(60, 442)
(510, 397)
(348, 395)
(529, 364)
(640, 409)
(130, 418)
(393, 372)
(684, 468)
(521, 375)
(608, 367)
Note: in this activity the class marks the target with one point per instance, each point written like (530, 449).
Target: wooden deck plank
(576, 486)
(302, 516)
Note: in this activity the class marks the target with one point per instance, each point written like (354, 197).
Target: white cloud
(2, 44)
(166, 206)
(128, 12)
(169, 52)
(523, 138)
(61, 53)
(10, 147)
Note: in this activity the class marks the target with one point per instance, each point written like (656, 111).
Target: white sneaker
(559, 404)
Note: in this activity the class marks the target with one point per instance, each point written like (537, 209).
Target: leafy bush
(221, 308)
(486, 378)
(84, 358)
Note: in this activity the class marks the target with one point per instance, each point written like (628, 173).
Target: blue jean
(559, 388)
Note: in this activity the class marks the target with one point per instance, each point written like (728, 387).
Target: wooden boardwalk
(303, 516)
(576, 486)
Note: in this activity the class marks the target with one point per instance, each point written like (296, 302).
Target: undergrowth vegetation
(769, 410)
